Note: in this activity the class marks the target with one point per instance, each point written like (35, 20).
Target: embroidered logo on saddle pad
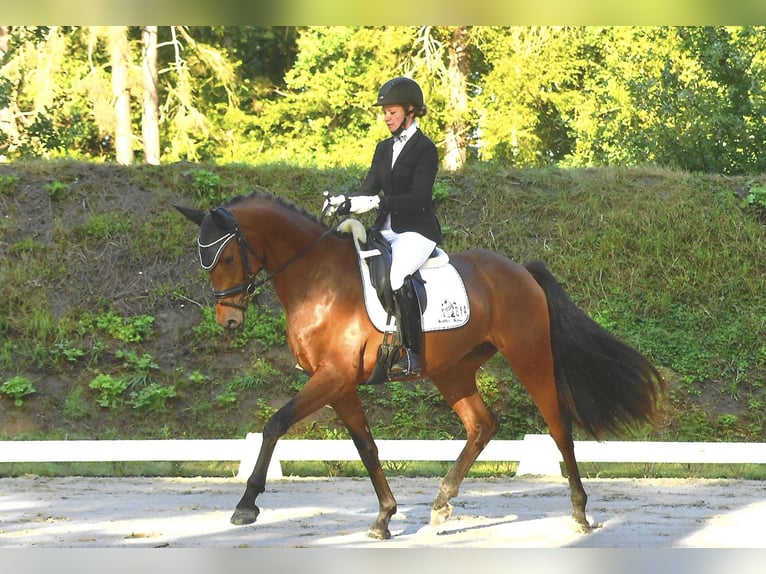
(447, 298)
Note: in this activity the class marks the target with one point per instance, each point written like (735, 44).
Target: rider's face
(394, 115)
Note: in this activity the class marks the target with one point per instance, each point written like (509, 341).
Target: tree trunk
(150, 124)
(123, 132)
(458, 69)
(5, 34)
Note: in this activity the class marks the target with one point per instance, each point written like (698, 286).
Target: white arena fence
(536, 454)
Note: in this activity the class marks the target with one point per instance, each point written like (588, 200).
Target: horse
(576, 372)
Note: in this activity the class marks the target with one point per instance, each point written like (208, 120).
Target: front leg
(246, 511)
(316, 393)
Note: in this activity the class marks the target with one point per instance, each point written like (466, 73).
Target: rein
(250, 283)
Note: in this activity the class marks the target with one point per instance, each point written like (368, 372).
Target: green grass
(355, 469)
(131, 468)
(674, 263)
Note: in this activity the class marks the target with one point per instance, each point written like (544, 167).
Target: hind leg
(563, 438)
(458, 386)
(539, 381)
(531, 358)
(350, 410)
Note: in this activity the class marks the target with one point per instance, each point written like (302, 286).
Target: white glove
(332, 203)
(364, 203)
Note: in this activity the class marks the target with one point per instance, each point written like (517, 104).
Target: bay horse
(574, 370)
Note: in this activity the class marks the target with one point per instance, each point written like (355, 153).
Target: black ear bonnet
(218, 228)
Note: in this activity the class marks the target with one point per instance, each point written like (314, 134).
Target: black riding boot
(408, 322)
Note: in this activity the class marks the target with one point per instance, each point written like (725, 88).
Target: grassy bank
(107, 331)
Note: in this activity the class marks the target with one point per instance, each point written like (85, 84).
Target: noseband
(250, 283)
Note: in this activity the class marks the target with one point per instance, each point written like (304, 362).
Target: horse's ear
(194, 215)
(223, 218)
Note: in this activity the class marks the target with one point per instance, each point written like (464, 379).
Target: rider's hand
(335, 204)
(363, 203)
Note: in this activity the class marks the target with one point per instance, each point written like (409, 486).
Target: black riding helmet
(405, 92)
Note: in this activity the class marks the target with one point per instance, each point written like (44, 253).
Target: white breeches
(409, 250)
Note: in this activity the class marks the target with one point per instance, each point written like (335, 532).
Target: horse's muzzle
(229, 317)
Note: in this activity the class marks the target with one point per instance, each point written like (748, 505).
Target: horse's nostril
(233, 324)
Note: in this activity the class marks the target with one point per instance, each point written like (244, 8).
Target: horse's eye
(228, 260)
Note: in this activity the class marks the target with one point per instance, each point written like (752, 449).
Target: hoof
(441, 515)
(379, 533)
(244, 516)
(583, 526)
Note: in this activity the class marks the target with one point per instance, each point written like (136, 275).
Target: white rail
(536, 454)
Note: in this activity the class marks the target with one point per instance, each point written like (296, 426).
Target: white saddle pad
(447, 307)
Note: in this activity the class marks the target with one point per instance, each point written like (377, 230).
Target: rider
(404, 167)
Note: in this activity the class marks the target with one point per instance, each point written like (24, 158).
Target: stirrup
(408, 365)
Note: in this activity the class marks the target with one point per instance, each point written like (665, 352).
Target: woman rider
(404, 168)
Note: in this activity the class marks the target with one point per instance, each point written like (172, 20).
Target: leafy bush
(127, 329)
(17, 388)
(152, 398)
(8, 184)
(110, 390)
(57, 190)
(138, 367)
(209, 187)
(756, 196)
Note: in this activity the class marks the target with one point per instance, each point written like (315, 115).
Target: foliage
(688, 98)
(110, 390)
(323, 116)
(8, 184)
(207, 186)
(17, 388)
(138, 367)
(57, 190)
(127, 329)
(672, 78)
(152, 398)
(756, 196)
(70, 352)
(756, 199)
(106, 225)
(264, 325)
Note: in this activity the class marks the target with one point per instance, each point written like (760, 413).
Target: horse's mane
(267, 195)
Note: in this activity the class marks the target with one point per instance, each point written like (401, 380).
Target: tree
(685, 97)
(199, 93)
(324, 114)
(5, 33)
(442, 55)
(150, 126)
(458, 72)
(43, 78)
(120, 57)
(533, 72)
(6, 87)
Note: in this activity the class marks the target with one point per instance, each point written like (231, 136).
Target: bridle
(250, 282)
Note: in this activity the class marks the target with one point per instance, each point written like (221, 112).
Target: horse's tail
(603, 383)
